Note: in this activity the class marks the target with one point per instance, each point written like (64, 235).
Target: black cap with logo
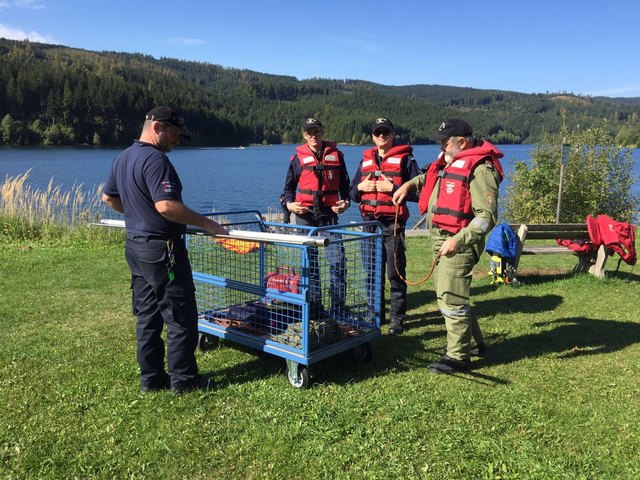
(310, 123)
(168, 115)
(382, 123)
(454, 127)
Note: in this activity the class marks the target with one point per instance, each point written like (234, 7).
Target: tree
(35, 132)
(597, 180)
(10, 130)
(629, 135)
(107, 93)
(57, 134)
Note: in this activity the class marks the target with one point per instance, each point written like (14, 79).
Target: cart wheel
(298, 376)
(363, 352)
(207, 342)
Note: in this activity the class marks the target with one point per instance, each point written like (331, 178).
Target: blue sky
(589, 47)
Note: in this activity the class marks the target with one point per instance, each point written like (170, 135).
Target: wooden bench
(593, 262)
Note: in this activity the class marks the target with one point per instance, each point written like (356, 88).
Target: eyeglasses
(383, 131)
(314, 133)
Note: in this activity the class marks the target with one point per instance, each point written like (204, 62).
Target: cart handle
(265, 237)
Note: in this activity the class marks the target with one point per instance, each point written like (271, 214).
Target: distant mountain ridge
(59, 95)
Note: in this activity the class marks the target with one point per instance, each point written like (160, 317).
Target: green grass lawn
(558, 396)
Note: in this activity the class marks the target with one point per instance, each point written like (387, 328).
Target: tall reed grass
(28, 213)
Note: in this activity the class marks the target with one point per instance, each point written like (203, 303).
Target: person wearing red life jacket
(380, 173)
(459, 193)
(316, 188)
(316, 191)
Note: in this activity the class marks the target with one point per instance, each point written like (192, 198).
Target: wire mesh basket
(301, 293)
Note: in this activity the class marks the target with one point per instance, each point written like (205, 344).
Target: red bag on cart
(283, 279)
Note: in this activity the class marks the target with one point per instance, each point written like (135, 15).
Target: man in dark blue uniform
(380, 173)
(144, 185)
(316, 191)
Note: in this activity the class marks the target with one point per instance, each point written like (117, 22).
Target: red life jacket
(579, 246)
(318, 179)
(452, 210)
(594, 230)
(619, 237)
(379, 203)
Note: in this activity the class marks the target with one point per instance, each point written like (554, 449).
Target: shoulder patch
(490, 198)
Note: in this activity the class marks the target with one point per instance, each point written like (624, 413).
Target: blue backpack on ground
(502, 247)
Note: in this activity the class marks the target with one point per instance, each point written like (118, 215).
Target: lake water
(219, 179)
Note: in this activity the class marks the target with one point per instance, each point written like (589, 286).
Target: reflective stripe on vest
(319, 181)
(380, 203)
(452, 210)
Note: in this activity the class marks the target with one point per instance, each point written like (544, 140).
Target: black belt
(165, 238)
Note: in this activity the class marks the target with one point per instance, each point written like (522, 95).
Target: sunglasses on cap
(173, 120)
(383, 131)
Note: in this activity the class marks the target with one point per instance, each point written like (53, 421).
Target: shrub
(27, 213)
(597, 180)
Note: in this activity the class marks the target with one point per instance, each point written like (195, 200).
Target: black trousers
(391, 247)
(334, 255)
(157, 301)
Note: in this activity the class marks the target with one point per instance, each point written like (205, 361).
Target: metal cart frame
(325, 297)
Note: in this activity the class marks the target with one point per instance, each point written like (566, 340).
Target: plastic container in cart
(297, 292)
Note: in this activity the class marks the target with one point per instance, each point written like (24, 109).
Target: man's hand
(368, 185)
(341, 206)
(384, 184)
(295, 207)
(215, 228)
(449, 248)
(400, 194)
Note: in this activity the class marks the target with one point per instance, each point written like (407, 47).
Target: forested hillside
(52, 94)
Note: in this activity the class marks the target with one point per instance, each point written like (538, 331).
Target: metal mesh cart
(301, 293)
